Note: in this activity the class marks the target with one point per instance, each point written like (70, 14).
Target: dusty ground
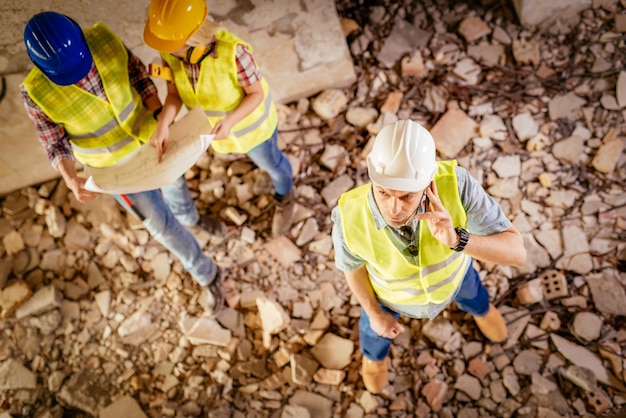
(115, 328)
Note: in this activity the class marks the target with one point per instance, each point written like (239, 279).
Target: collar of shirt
(379, 219)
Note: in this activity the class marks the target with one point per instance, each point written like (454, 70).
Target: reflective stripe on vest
(218, 92)
(102, 132)
(109, 126)
(436, 272)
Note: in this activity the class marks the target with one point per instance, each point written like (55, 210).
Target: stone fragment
(413, 65)
(56, 222)
(550, 321)
(526, 52)
(507, 166)
(14, 376)
(582, 357)
(473, 28)
(587, 326)
(607, 156)
(576, 255)
(12, 296)
(442, 333)
(489, 54)
(530, 293)
(403, 39)
(329, 103)
(333, 352)
(527, 362)
(86, 391)
(336, 188)
(45, 299)
(290, 411)
(510, 380)
(284, 251)
(620, 89)
(318, 327)
(570, 150)
(199, 330)
(525, 126)
(492, 126)
(478, 368)
(392, 102)
(333, 155)
(435, 392)
(13, 242)
(125, 406)
(565, 106)
(329, 377)
(541, 385)
(360, 117)
(453, 132)
(468, 71)
(273, 318)
(608, 294)
(302, 369)
(317, 405)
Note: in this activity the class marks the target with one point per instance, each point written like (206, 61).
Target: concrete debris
(99, 320)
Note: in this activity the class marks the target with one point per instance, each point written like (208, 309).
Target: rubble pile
(98, 320)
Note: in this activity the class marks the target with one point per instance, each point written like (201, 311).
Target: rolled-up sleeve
(345, 260)
(484, 214)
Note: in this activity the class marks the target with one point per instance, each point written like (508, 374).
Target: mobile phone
(160, 71)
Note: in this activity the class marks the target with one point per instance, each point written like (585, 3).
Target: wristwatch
(463, 238)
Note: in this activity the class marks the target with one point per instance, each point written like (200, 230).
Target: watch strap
(463, 238)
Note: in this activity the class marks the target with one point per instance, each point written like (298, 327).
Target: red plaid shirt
(52, 135)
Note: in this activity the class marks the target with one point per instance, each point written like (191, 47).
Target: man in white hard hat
(406, 241)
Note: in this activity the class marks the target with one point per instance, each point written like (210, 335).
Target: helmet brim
(401, 184)
(72, 77)
(160, 44)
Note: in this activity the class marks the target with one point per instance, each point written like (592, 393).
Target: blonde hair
(205, 34)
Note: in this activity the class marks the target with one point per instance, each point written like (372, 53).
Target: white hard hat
(403, 157)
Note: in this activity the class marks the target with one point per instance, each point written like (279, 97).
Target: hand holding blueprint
(189, 139)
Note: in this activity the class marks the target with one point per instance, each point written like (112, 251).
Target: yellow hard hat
(171, 22)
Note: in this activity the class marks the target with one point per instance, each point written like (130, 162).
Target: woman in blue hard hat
(215, 69)
(91, 100)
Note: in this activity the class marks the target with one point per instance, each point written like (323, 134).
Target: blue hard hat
(57, 46)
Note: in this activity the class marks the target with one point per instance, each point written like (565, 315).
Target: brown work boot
(492, 325)
(212, 225)
(212, 298)
(374, 374)
(283, 214)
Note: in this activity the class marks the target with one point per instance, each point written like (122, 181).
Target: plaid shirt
(248, 72)
(53, 136)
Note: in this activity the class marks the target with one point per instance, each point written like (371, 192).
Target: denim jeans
(472, 298)
(165, 212)
(269, 158)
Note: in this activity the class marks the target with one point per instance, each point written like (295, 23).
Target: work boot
(212, 298)
(492, 325)
(212, 225)
(374, 374)
(283, 214)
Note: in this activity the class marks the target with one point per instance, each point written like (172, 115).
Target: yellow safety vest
(439, 270)
(218, 93)
(101, 132)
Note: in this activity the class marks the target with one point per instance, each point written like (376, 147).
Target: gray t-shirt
(484, 217)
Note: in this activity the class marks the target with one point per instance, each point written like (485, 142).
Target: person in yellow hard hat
(214, 69)
(405, 243)
(91, 99)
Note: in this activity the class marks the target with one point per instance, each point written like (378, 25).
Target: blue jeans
(472, 298)
(269, 158)
(165, 212)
